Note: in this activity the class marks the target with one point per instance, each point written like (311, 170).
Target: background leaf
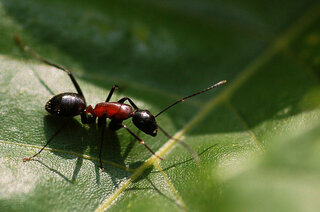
(257, 136)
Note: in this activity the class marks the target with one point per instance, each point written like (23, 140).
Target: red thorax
(112, 110)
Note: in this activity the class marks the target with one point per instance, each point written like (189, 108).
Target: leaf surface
(257, 136)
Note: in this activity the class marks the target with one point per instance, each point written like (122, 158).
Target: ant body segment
(74, 104)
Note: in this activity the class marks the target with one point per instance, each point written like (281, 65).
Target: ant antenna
(190, 150)
(193, 153)
(192, 95)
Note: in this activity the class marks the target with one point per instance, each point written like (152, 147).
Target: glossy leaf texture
(257, 136)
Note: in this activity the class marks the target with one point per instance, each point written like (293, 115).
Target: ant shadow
(71, 139)
(55, 171)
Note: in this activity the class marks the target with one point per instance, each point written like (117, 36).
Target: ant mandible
(73, 104)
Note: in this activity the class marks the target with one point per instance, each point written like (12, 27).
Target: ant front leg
(87, 119)
(140, 140)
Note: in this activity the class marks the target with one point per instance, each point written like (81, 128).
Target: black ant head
(146, 122)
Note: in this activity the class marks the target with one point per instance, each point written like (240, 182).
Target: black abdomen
(66, 104)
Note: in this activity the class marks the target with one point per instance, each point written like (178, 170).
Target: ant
(74, 104)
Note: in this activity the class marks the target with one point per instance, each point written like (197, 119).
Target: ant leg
(50, 139)
(111, 92)
(102, 124)
(115, 124)
(140, 140)
(27, 49)
(88, 116)
(87, 119)
(122, 100)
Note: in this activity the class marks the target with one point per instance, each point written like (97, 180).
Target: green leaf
(257, 136)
